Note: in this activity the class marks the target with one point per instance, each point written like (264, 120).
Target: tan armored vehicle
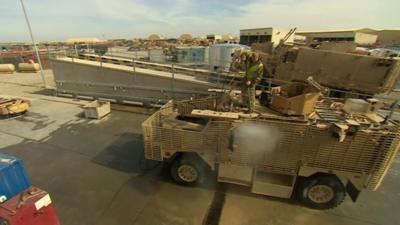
(311, 149)
(362, 73)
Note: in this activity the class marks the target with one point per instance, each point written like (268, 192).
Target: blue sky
(58, 20)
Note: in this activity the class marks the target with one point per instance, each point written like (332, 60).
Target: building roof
(261, 28)
(89, 40)
(227, 37)
(156, 37)
(361, 30)
(393, 29)
(186, 37)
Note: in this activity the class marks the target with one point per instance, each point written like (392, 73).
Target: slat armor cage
(368, 152)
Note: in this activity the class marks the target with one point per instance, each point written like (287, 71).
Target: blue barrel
(13, 177)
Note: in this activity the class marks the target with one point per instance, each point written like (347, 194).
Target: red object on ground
(31, 207)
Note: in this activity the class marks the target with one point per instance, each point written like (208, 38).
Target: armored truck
(338, 147)
(363, 73)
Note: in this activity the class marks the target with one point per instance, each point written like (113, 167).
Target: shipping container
(157, 55)
(189, 54)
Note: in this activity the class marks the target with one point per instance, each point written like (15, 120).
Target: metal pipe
(173, 79)
(134, 70)
(391, 112)
(34, 44)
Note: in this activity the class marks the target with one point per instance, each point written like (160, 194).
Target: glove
(248, 83)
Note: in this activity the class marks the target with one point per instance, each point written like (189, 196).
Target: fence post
(134, 65)
(173, 80)
(218, 77)
(134, 70)
(101, 66)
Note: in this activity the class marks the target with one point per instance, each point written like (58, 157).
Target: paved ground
(96, 174)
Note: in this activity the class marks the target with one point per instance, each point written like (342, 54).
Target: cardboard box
(361, 106)
(295, 99)
(30, 207)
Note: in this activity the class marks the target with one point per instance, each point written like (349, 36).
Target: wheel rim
(321, 193)
(187, 173)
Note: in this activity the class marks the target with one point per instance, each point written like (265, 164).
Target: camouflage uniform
(243, 60)
(253, 75)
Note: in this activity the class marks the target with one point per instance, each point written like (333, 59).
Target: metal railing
(202, 72)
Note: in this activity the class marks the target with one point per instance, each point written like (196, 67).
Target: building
(155, 37)
(84, 41)
(225, 38)
(186, 37)
(363, 36)
(213, 37)
(299, 39)
(262, 35)
(388, 37)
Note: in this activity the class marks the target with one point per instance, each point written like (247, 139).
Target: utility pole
(34, 44)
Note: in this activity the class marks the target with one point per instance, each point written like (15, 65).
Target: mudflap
(352, 191)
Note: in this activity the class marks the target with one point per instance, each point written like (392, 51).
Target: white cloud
(123, 9)
(315, 14)
(181, 15)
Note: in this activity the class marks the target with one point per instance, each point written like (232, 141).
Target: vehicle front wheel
(321, 192)
(186, 170)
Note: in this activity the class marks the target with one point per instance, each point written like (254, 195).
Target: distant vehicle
(384, 52)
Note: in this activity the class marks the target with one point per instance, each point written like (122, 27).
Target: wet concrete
(96, 174)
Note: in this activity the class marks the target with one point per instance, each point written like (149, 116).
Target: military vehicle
(311, 149)
(364, 74)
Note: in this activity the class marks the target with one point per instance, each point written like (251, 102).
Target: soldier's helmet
(244, 55)
(236, 53)
(255, 57)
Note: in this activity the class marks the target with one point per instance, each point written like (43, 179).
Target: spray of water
(257, 139)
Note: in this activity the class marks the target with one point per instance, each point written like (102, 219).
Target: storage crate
(295, 99)
(13, 177)
(97, 109)
(31, 207)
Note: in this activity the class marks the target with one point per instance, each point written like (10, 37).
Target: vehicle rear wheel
(321, 192)
(186, 170)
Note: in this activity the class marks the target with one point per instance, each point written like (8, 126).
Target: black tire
(320, 192)
(187, 170)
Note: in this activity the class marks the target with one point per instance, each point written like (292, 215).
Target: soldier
(237, 63)
(253, 75)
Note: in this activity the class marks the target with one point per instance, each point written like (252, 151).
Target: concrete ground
(96, 174)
